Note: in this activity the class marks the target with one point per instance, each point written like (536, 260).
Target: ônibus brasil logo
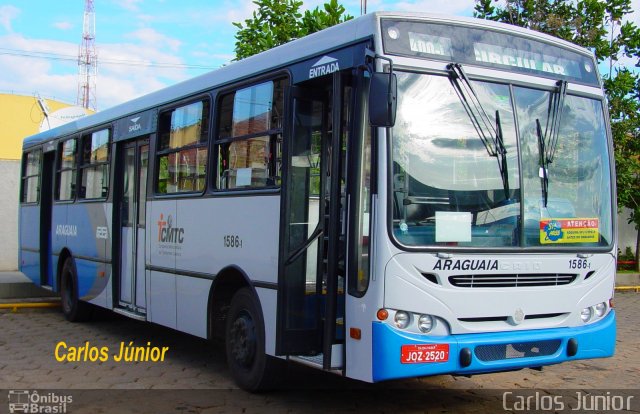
(25, 401)
(167, 233)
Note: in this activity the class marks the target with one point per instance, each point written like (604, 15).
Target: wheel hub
(67, 296)
(243, 340)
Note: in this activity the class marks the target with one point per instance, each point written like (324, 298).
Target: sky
(142, 45)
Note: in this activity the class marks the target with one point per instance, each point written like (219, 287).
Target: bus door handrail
(298, 252)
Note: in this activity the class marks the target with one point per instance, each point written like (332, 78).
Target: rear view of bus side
(397, 196)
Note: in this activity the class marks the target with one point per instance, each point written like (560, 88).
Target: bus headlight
(425, 323)
(402, 319)
(600, 309)
(585, 315)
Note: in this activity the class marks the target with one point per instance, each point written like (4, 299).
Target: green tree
(600, 26)
(277, 22)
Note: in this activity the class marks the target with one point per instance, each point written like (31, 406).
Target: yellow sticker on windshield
(569, 230)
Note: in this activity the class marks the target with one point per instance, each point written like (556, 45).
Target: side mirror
(383, 98)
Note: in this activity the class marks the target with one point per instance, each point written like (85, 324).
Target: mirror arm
(370, 54)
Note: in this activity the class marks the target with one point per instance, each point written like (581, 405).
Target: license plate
(420, 354)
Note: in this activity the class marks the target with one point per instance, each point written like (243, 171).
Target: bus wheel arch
(227, 282)
(74, 309)
(235, 317)
(64, 255)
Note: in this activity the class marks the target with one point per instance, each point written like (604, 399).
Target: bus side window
(66, 172)
(31, 177)
(182, 149)
(94, 165)
(249, 137)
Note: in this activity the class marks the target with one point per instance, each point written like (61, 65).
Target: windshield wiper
(490, 135)
(543, 163)
(471, 103)
(548, 142)
(554, 118)
(502, 158)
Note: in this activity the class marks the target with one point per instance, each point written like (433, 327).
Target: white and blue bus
(401, 195)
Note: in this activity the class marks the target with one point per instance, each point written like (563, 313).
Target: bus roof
(298, 50)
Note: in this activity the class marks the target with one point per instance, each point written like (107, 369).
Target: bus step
(130, 314)
(316, 360)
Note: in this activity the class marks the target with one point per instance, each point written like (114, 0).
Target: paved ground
(194, 378)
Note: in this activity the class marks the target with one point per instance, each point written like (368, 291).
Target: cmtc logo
(167, 233)
(136, 126)
(324, 66)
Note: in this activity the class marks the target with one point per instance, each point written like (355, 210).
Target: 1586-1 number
(579, 264)
(232, 241)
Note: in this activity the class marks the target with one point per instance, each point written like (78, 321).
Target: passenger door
(46, 206)
(132, 212)
(312, 250)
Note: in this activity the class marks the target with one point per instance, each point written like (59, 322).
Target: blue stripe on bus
(30, 265)
(596, 340)
(87, 272)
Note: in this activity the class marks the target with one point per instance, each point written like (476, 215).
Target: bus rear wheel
(73, 308)
(251, 368)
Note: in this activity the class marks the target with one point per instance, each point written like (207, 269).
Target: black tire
(73, 308)
(250, 367)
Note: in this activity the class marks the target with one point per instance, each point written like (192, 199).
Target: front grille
(512, 280)
(487, 353)
(506, 318)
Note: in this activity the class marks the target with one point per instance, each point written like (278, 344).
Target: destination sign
(486, 47)
(432, 45)
(534, 61)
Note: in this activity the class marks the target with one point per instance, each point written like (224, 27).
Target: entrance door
(312, 251)
(133, 187)
(46, 202)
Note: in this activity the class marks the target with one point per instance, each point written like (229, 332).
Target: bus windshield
(448, 190)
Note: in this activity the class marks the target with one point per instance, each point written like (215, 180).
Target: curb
(15, 285)
(23, 290)
(627, 289)
(28, 305)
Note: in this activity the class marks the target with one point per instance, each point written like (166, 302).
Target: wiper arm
(548, 142)
(543, 164)
(554, 119)
(502, 157)
(471, 103)
(490, 135)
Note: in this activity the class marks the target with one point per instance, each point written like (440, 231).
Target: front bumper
(481, 353)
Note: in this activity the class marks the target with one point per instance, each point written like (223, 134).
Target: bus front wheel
(251, 368)
(73, 308)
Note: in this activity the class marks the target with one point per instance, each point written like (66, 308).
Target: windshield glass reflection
(446, 188)
(578, 174)
(448, 191)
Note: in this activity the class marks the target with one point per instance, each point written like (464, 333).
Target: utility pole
(88, 59)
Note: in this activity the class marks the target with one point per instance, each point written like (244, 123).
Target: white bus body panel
(191, 305)
(161, 305)
(407, 289)
(206, 222)
(269, 301)
(197, 245)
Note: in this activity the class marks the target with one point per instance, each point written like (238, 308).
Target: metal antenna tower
(88, 59)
